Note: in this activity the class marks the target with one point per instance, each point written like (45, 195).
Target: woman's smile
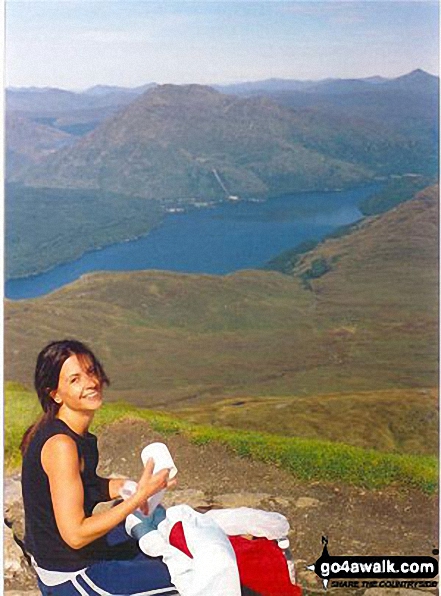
(93, 395)
(78, 385)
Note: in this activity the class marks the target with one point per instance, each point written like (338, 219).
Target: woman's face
(78, 386)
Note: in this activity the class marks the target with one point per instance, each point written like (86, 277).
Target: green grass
(395, 421)
(305, 458)
(21, 408)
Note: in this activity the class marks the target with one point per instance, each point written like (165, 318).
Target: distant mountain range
(66, 111)
(187, 142)
(417, 80)
(407, 105)
(48, 100)
(29, 142)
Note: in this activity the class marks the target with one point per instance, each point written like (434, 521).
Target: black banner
(328, 567)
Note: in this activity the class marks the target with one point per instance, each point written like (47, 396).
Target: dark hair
(47, 373)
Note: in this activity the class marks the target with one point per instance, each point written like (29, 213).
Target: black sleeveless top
(42, 538)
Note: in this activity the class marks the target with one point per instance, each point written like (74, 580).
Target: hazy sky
(75, 44)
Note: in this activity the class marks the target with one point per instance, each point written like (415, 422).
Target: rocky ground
(356, 521)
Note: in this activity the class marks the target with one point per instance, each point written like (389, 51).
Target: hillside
(168, 143)
(394, 420)
(369, 323)
(28, 142)
(344, 352)
(58, 111)
(322, 487)
(406, 106)
(75, 228)
(383, 126)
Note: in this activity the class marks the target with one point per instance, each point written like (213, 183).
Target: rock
(17, 572)
(253, 500)
(193, 498)
(281, 502)
(12, 489)
(14, 518)
(11, 554)
(13, 512)
(305, 502)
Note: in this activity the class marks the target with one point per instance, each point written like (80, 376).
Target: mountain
(100, 90)
(405, 236)
(27, 143)
(404, 239)
(418, 81)
(48, 100)
(340, 86)
(406, 106)
(268, 85)
(193, 142)
(75, 122)
(72, 112)
(367, 323)
(275, 85)
(375, 79)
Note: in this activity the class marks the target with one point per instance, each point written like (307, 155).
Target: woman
(73, 551)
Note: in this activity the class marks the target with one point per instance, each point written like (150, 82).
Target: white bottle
(283, 544)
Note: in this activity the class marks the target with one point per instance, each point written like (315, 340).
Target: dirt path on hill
(356, 521)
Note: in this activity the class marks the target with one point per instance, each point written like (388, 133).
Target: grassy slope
(306, 459)
(389, 268)
(400, 420)
(349, 356)
(166, 337)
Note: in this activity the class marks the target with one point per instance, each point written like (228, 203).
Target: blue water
(216, 240)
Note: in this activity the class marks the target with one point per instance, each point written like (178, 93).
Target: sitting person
(73, 551)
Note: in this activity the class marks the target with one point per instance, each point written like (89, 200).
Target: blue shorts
(135, 573)
(142, 576)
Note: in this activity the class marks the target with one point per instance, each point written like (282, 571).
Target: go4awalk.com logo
(366, 572)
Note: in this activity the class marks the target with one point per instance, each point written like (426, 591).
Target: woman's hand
(149, 484)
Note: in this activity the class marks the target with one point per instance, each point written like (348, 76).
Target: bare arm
(59, 458)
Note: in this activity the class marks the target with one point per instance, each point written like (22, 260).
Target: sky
(76, 44)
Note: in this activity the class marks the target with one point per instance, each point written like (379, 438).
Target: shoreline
(189, 208)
